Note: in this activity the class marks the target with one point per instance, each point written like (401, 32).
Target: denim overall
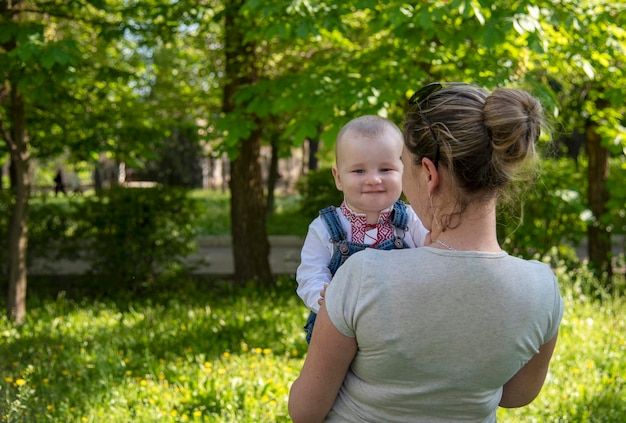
(343, 248)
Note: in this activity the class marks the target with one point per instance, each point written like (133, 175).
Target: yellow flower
(8, 379)
(143, 382)
(20, 382)
(266, 351)
(197, 413)
(226, 354)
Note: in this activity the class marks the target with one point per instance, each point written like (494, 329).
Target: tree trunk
(314, 145)
(273, 176)
(599, 248)
(18, 223)
(313, 148)
(248, 220)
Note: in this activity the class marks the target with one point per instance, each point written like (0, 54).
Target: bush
(546, 215)
(131, 235)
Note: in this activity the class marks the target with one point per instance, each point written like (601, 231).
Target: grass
(202, 351)
(209, 353)
(192, 354)
(286, 219)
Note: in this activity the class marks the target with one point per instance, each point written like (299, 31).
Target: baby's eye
(358, 171)
(386, 169)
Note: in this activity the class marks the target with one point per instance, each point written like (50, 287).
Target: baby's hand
(322, 294)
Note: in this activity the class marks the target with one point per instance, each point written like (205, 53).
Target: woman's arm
(314, 392)
(524, 387)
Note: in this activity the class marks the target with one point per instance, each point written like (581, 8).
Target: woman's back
(438, 343)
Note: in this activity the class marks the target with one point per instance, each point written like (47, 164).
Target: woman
(450, 331)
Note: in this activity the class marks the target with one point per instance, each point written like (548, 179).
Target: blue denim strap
(331, 220)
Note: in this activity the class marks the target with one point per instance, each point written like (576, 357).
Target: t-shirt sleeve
(557, 313)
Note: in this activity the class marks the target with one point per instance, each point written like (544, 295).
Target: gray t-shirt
(439, 332)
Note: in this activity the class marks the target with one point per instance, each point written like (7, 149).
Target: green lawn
(203, 351)
(209, 353)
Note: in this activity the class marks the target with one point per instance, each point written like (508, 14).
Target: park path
(213, 258)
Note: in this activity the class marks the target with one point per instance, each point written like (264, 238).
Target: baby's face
(369, 171)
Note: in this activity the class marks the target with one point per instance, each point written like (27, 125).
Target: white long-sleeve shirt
(318, 249)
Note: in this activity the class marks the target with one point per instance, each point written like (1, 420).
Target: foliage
(51, 220)
(128, 235)
(317, 190)
(207, 353)
(178, 163)
(545, 214)
(131, 235)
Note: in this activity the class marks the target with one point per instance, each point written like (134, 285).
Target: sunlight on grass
(224, 355)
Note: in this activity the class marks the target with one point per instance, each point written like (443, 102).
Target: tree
(28, 62)
(579, 63)
(76, 78)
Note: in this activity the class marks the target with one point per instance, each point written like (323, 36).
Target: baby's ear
(337, 178)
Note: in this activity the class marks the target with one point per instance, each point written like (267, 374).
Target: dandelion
(226, 354)
(20, 382)
(266, 351)
(84, 419)
(197, 413)
(143, 382)
(258, 350)
(8, 379)
(221, 372)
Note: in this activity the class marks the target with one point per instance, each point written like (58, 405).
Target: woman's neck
(474, 231)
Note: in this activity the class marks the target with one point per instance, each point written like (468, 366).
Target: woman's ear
(431, 174)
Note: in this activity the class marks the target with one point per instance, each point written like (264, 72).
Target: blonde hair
(484, 139)
(368, 126)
